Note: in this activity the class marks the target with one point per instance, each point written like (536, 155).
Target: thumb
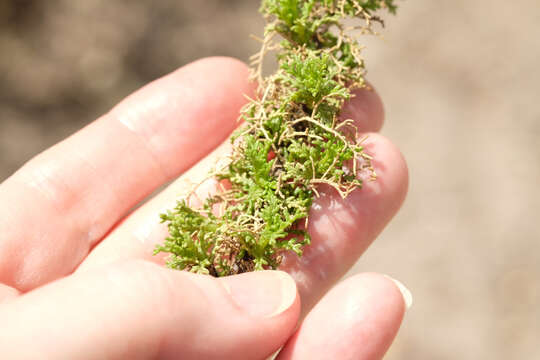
(138, 310)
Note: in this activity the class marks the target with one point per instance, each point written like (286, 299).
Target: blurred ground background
(460, 83)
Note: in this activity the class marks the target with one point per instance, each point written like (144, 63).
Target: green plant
(292, 141)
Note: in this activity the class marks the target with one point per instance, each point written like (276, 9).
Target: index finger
(60, 204)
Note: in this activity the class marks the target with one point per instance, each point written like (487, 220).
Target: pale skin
(77, 275)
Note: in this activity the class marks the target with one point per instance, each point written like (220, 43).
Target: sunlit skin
(79, 279)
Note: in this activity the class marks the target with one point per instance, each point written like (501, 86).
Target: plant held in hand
(293, 140)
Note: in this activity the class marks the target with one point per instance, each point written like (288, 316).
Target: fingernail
(407, 296)
(261, 293)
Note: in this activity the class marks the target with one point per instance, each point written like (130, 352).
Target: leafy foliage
(293, 141)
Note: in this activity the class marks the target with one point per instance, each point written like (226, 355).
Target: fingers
(138, 235)
(342, 229)
(358, 319)
(66, 199)
(138, 310)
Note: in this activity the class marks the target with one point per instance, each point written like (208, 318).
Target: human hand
(79, 279)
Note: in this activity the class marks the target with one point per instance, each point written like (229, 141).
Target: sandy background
(460, 83)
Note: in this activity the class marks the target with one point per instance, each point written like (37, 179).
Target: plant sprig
(292, 141)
